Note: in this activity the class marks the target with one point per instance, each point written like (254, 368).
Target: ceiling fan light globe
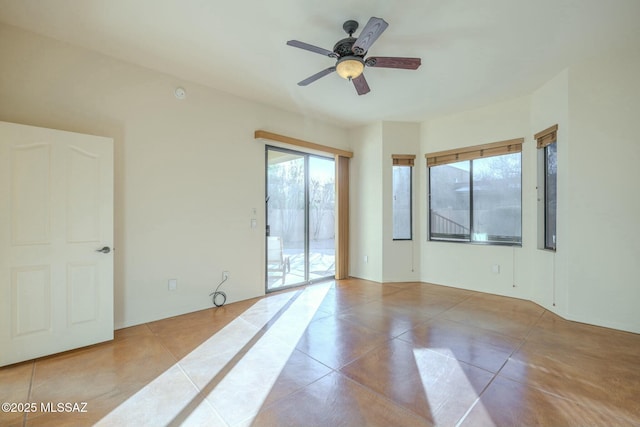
(350, 67)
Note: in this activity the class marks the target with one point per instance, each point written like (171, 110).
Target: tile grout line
(162, 344)
(544, 310)
(331, 370)
(409, 409)
(533, 386)
(195, 386)
(349, 361)
(222, 373)
(280, 399)
(523, 340)
(525, 384)
(33, 374)
(388, 340)
(291, 300)
(338, 371)
(403, 408)
(459, 302)
(382, 396)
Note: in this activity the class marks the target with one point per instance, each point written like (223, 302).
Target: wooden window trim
(475, 152)
(403, 159)
(263, 134)
(547, 136)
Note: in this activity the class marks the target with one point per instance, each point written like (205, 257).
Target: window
(475, 194)
(402, 189)
(548, 160)
(450, 202)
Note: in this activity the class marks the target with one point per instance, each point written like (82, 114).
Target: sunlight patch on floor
(236, 368)
(445, 384)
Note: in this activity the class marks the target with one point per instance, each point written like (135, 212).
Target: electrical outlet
(225, 275)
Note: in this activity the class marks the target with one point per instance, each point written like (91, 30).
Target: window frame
(469, 154)
(393, 211)
(403, 160)
(545, 139)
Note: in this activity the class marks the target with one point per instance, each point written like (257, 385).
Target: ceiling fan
(350, 53)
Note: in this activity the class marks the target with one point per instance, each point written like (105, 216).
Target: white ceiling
(473, 52)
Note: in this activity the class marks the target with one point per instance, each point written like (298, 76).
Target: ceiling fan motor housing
(343, 47)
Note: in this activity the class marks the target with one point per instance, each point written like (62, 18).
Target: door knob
(104, 250)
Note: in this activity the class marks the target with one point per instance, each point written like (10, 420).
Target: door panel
(286, 245)
(300, 218)
(30, 194)
(56, 210)
(322, 198)
(83, 291)
(83, 190)
(31, 308)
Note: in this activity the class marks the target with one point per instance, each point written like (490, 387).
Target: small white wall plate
(180, 93)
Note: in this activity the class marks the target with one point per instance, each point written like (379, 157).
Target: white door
(56, 211)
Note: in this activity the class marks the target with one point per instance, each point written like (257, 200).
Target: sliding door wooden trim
(263, 134)
(342, 193)
(342, 197)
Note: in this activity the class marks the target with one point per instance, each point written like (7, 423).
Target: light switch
(173, 284)
(254, 223)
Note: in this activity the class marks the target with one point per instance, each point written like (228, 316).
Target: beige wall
(401, 258)
(603, 224)
(593, 275)
(365, 197)
(548, 270)
(470, 266)
(371, 204)
(188, 173)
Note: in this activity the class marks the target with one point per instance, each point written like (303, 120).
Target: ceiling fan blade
(316, 76)
(369, 34)
(393, 62)
(361, 85)
(312, 48)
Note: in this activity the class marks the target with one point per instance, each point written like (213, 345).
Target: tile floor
(348, 353)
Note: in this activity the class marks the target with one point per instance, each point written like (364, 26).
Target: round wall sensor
(180, 93)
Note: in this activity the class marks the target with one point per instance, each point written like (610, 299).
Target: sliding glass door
(322, 225)
(300, 198)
